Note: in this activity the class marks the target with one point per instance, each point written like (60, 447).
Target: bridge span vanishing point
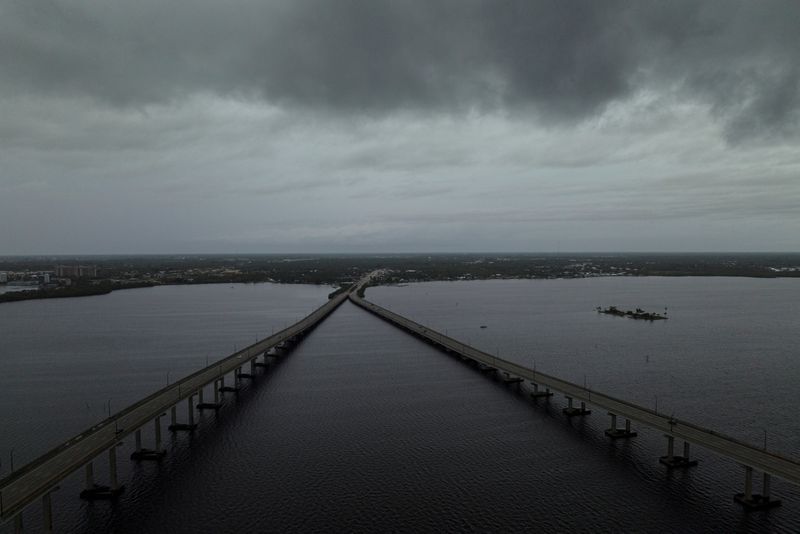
(39, 478)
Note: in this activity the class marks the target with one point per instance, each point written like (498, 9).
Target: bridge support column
(223, 388)
(253, 366)
(755, 501)
(175, 426)
(240, 374)
(157, 428)
(19, 526)
(47, 511)
(509, 379)
(89, 475)
(94, 491)
(142, 453)
(208, 405)
(535, 394)
(112, 467)
(671, 460)
(618, 433)
(571, 411)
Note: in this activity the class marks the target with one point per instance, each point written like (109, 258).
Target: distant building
(3, 278)
(76, 271)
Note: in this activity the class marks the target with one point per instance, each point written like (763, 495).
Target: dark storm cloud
(558, 60)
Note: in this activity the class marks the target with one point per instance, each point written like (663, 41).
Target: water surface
(364, 428)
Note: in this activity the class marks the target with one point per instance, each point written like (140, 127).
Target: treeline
(57, 293)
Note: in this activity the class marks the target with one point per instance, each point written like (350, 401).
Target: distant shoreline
(106, 288)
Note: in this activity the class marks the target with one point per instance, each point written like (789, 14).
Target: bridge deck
(744, 453)
(40, 476)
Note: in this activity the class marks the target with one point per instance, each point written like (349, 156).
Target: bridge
(41, 477)
(749, 456)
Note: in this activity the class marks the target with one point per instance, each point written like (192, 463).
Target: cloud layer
(379, 125)
(563, 61)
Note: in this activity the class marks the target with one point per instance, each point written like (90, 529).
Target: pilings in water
(188, 426)
(572, 411)
(228, 389)
(619, 433)
(93, 491)
(149, 454)
(673, 461)
(508, 379)
(265, 363)
(201, 405)
(755, 501)
(239, 374)
(536, 394)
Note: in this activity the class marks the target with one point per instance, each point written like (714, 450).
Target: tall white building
(3, 278)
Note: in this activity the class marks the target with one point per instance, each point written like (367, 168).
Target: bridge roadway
(769, 462)
(41, 476)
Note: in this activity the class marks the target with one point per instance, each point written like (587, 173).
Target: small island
(638, 314)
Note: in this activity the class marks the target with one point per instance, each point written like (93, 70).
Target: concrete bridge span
(40, 477)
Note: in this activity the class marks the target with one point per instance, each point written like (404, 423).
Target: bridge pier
(571, 411)
(95, 491)
(619, 433)
(208, 405)
(191, 425)
(673, 461)
(223, 388)
(47, 512)
(755, 501)
(89, 475)
(157, 431)
(240, 374)
(19, 525)
(142, 453)
(535, 394)
(512, 379)
(483, 368)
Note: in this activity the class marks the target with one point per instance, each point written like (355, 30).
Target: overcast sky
(395, 126)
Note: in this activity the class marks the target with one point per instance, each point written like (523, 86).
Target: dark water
(364, 428)
(63, 360)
